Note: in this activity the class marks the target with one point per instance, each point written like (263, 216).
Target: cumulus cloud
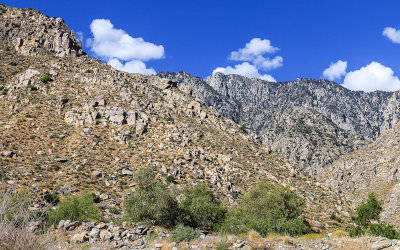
(109, 42)
(253, 49)
(374, 76)
(134, 66)
(253, 60)
(244, 69)
(121, 50)
(266, 64)
(392, 34)
(336, 70)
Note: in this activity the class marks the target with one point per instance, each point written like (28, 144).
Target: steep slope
(339, 120)
(70, 123)
(373, 168)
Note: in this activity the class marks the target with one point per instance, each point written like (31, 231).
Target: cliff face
(311, 122)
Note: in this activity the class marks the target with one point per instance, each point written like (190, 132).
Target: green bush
(336, 218)
(31, 87)
(46, 79)
(384, 230)
(182, 233)
(170, 179)
(152, 202)
(368, 211)
(75, 208)
(222, 246)
(356, 231)
(268, 208)
(201, 208)
(51, 198)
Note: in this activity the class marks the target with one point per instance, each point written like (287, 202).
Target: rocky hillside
(311, 122)
(373, 168)
(70, 123)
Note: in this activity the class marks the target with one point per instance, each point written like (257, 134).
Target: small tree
(201, 208)
(268, 208)
(152, 201)
(368, 211)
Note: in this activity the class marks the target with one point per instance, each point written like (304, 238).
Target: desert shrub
(15, 218)
(336, 218)
(46, 79)
(51, 198)
(21, 238)
(268, 208)
(243, 128)
(14, 208)
(182, 233)
(152, 201)
(31, 87)
(356, 231)
(201, 208)
(339, 233)
(75, 208)
(170, 179)
(384, 230)
(368, 211)
(222, 246)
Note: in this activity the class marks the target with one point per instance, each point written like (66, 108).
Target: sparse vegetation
(46, 79)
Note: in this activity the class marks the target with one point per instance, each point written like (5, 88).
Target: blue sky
(198, 36)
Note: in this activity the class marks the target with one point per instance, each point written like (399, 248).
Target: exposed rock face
(373, 168)
(93, 127)
(311, 122)
(32, 32)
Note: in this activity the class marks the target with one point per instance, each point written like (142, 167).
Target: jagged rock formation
(373, 168)
(71, 123)
(311, 122)
(31, 32)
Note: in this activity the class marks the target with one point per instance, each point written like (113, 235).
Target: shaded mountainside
(326, 118)
(373, 168)
(69, 123)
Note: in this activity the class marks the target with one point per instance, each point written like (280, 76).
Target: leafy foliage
(384, 230)
(201, 208)
(152, 201)
(368, 211)
(268, 209)
(182, 233)
(75, 208)
(51, 198)
(46, 79)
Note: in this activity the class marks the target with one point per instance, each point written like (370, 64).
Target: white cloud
(108, 42)
(244, 69)
(374, 76)
(134, 66)
(266, 64)
(392, 34)
(253, 49)
(336, 70)
(253, 60)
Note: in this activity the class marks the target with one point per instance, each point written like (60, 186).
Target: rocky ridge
(326, 119)
(69, 123)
